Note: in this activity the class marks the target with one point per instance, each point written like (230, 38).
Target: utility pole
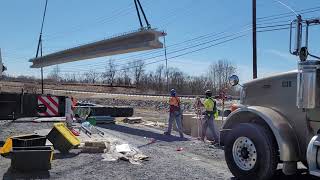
(254, 38)
(1, 65)
(165, 55)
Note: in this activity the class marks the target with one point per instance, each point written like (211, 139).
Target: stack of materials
(132, 120)
(94, 120)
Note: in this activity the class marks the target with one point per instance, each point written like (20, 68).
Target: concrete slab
(132, 42)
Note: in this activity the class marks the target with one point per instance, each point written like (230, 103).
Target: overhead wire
(202, 48)
(274, 27)
(267, 18)
(160, 51)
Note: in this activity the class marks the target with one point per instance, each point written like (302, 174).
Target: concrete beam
(132, 42)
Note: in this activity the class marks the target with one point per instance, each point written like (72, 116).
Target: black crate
(36, 158)
(28, 140)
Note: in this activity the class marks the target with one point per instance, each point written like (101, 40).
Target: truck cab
(278, 121)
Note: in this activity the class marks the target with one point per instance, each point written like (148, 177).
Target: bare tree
(177, 79)
(91, 76)
(55, 74)
(219, 73)
(160, 71)
(137, 70)
(71, 78)
(110, 72)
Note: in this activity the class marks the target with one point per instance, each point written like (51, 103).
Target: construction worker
(198, 108)
(210, 106)
(175, 113)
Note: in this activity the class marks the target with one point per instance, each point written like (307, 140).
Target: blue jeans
(177, 116)
(208, 123)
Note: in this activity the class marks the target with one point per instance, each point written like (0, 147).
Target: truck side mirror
(234, 80)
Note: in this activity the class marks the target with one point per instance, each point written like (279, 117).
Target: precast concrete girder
(132, 42)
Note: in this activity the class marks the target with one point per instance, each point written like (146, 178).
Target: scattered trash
(124, 152)
(179, 149)
(152, 141)
(75, 132)
(196, 159)
(123, 148)
(154, 124)
(132, 120)
(89, 129)
(62, 138)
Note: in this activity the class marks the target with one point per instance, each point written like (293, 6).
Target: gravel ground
(196, 160)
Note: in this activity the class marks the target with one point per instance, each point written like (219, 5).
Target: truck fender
(283, 132)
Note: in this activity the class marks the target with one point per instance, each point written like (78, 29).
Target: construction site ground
(170, 157)
(195, 160)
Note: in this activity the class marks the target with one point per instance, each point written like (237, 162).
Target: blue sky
(73, 22)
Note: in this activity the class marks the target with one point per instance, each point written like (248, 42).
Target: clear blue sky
(73, 22)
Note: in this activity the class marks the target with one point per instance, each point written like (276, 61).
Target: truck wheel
(250, 152)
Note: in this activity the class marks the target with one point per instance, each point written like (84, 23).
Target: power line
(299, 11)
(190, 47)
(202, 48)
(265, 18)
(160, 51)
(183, 54)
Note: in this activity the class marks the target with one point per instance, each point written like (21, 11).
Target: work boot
(181, 136)
(215, 144)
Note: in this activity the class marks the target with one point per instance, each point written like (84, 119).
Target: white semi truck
(279, 118)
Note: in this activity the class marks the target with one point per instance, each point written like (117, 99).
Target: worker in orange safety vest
(175, 113)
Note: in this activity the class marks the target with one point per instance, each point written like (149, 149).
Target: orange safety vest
(174, 101)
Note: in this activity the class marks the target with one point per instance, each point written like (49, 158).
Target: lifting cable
(39, 47)
(138, 5)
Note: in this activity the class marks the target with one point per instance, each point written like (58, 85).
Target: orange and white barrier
(52, 105)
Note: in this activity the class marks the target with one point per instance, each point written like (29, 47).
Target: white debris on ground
(113, 149)
(124, 152)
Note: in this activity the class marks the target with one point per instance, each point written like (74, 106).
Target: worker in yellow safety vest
(175, 113)
(210, 106)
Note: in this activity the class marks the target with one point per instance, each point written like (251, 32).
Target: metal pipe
(165, 55)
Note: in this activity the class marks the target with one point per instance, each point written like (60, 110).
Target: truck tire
(251, 152)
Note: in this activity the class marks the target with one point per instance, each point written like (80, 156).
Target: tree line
(158, 81)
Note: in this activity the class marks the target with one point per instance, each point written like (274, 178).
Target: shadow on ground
(302, 174)
(13, 174)
(142, 133)
(65, 155)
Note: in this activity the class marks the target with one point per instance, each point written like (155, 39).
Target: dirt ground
(196, 160)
